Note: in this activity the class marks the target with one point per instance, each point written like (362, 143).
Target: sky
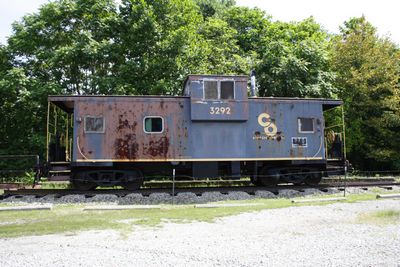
(383, 14)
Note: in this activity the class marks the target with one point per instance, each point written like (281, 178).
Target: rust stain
(124, 137)
(278, 136)
(124, 124)
(126, 147)
(300, 151)
(157, 148)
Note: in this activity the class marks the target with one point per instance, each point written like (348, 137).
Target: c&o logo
(270, 129)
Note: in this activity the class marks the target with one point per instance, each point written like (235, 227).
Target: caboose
(217, 128)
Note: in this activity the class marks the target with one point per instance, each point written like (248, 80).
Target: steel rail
(196, 190)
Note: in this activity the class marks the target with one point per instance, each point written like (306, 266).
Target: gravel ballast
(330, 235)
(185, 197)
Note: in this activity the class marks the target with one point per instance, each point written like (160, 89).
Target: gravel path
(297, 236)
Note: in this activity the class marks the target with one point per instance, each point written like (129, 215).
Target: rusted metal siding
(124, 137)
(183, 139)
(255, 129)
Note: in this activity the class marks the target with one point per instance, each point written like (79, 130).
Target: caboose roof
(326, 102)
(66, 102)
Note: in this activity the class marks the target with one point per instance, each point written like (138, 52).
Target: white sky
(383, 14)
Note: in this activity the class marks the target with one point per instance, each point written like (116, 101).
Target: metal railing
(59, 130)
(13, 166)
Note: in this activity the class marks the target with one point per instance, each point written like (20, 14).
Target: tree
(252, 26)
(156, 41)
(368, 78)
(68, 45)
(211, 8)
(295, 61)
(221, 53)
(19, 108)
(149, 46)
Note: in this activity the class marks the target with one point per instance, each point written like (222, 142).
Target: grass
(52, 185)
(70, 219)
(25, 178)
(381, 217)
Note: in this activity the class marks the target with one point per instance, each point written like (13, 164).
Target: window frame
(299, 125)
(219, 89)
(92, 116)
(150, 117)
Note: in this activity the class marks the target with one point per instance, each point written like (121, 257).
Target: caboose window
(153, 124)
(306, 125)
(227, 90)
(94, 124)
(213, 89)
(210, 90)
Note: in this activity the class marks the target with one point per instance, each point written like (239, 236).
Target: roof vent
(253, 90)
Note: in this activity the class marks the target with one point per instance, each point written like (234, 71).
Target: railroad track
(247, 182)
(205, 183)
(251, 190)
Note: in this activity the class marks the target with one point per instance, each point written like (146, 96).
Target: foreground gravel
(297, 236)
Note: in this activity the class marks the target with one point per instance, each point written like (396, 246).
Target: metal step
(60, 163)
(59, 168)
(59, 171)
(53, 178)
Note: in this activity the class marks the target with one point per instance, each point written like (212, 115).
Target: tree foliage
(295, 61)
(368, 78)
(211, 8)
(149, 46)
(67, 45)
(20, 109)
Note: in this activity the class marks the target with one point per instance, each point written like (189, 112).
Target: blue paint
(194, 133)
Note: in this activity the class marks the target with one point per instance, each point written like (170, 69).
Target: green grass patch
(53, 185)
(70, 219)
(24, 178)
(381, 217)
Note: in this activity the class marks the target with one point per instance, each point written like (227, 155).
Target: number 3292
(220, 110)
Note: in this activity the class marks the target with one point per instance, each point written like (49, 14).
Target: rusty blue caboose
(214, 130)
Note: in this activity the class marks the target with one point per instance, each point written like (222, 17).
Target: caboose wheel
(313, 178)
(81, 182)
(269, 177)
(131, 186)
(253, 179)
(133, 180)
(83, 185)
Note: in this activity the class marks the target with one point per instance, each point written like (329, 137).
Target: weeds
(381, 217)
